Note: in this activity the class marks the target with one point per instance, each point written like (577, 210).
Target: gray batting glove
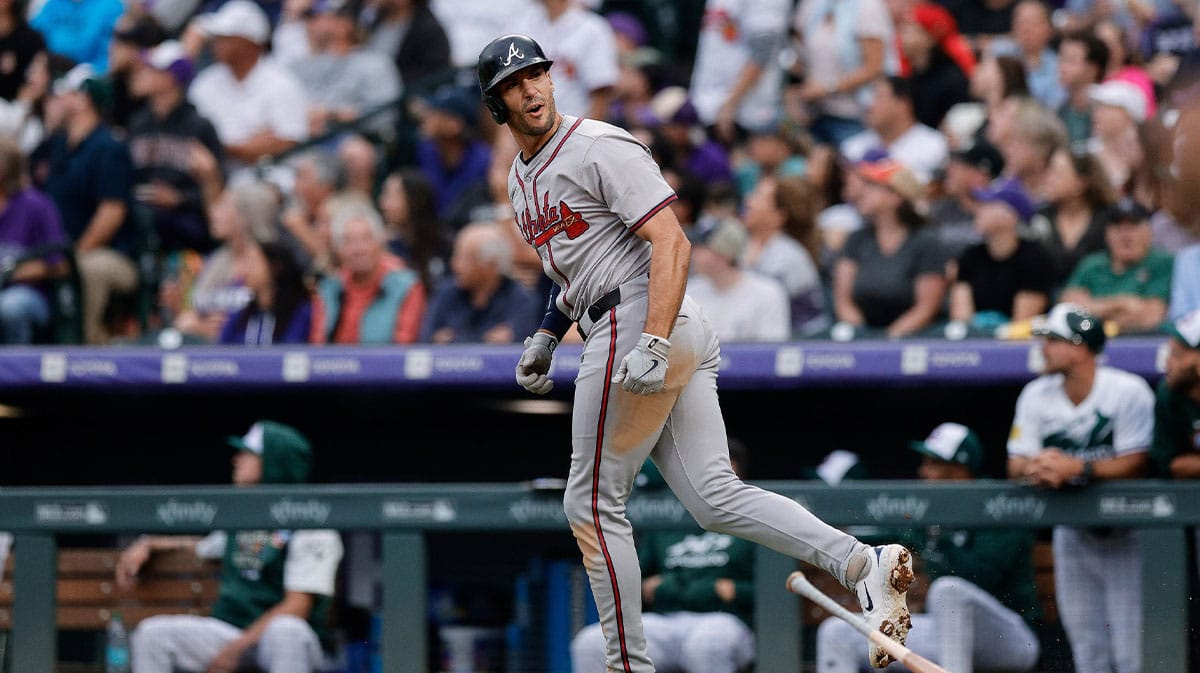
(644, 370)
(534, 366)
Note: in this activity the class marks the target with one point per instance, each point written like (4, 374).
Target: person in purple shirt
(280, 311)
(449, 154)
(28, 220)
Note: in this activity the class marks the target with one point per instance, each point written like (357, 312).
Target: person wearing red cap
(938, 61)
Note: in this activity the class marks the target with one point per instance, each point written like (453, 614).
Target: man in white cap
(257, 106)
(1119, 108)
(1077, 423)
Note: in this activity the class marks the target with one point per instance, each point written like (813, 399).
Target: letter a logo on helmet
(502, 57)
(513, 52)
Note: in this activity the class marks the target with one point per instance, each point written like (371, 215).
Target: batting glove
(644, 370)
(534, 366)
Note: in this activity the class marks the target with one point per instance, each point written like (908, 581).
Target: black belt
(603, 304)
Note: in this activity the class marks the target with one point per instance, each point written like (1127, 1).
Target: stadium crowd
(321, 171)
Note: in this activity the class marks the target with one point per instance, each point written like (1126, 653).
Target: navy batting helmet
(500, 58)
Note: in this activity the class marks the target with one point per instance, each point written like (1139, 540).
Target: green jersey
(1176, 428)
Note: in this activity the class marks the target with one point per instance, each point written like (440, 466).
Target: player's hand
(644, 369)
(534, 366)
(130, 562)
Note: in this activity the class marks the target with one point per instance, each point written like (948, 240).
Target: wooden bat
(799, 584)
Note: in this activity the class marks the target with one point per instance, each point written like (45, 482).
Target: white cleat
(882, 596)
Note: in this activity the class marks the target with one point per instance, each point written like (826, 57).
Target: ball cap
(726, 237)
(1187, 329)
(983, 156)
(1074, 323)
(238, 18)
(1129, 210)
(170, 56)
(893, 175)
(1122, 94)
(953, 443)
(1009, 192)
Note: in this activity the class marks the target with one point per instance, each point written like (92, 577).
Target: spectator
(741, 305)
(1003, 279)
(940, 62)
(21, 118)
(771, 151)
(893, 128)
(413, 232)
(19, 44)
(1027, 134)
(968, 169)
(408, 32)
(736, 77)
(317, 177)
(1130, 283)
(1123, 62)
(79, 29)
(176, 153)
(527, 264)
(641, 74)
(1077, 423)
(784, 245)
(1177, 409)
(276, 586)
(830, 180)
(698, 589)
(1082, 63)
(891, 274)
(243, 217)
(581, 43)
(256, 105)
(341, 80)
(481, 303)
(448, 153)
(985, 22)
(981, 609)
(1119, 110)
(1032, 32)
(1185, 283)
(846, 46)
(133, 34)
(90, 178)
(372, 298)
(28, 221)
(470, 24)
(1071, 224)
(995, 80)
(688, 148)
(360, 163)
(280, 306)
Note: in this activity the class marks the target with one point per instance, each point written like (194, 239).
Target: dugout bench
(404, 513)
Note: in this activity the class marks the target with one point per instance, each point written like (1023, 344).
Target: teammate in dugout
(1076, 423)
(589, 198)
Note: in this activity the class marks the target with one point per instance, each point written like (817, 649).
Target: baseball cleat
(882, 596)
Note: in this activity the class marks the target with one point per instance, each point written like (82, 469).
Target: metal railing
(403, 514)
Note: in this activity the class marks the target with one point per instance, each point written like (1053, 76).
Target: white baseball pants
(1098, 587)
(680, 642)
(965, 628)
(682, 430)
(170, 643)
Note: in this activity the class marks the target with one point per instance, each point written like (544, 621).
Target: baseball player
(589, 198)
(1077, 423)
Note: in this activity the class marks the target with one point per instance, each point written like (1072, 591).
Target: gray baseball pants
(170, 643)
(682, 430)
(679, 642)
(965, 628)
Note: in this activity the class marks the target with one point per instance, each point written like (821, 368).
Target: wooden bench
(173, 582)
(1043, 576)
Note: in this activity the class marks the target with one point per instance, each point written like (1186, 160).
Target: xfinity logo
(537, 509)
(287, 511)
(1007, 507)
(174, 512)
(885, 507)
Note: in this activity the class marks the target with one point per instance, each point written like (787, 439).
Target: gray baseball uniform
(579, 202)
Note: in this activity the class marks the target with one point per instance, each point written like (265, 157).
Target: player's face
(1183, 367)
(529, 96)
(247, 468)
(1059, 355)
(932, 469)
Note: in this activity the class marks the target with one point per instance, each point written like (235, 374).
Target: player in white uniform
(1077, 423)
(590, 199)
(581, 42)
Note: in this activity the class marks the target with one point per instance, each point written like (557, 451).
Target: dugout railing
(404, 514)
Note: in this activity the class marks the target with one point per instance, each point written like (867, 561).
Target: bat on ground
(799, 584)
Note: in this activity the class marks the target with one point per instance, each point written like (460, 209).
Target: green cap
(1074, 323)
(286, 454)
(1187, 329)
(953, 443)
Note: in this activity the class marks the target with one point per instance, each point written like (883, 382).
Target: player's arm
(136, 555)
(668, 271)
(1186, 465)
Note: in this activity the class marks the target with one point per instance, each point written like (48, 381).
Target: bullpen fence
(404, 514)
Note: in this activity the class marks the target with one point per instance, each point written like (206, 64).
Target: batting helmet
(500, 58)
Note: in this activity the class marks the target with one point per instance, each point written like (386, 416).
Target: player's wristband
(555, 321)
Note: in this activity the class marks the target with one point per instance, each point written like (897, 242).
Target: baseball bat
(799, 584)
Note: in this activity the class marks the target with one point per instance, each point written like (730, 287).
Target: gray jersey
(578, 202)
